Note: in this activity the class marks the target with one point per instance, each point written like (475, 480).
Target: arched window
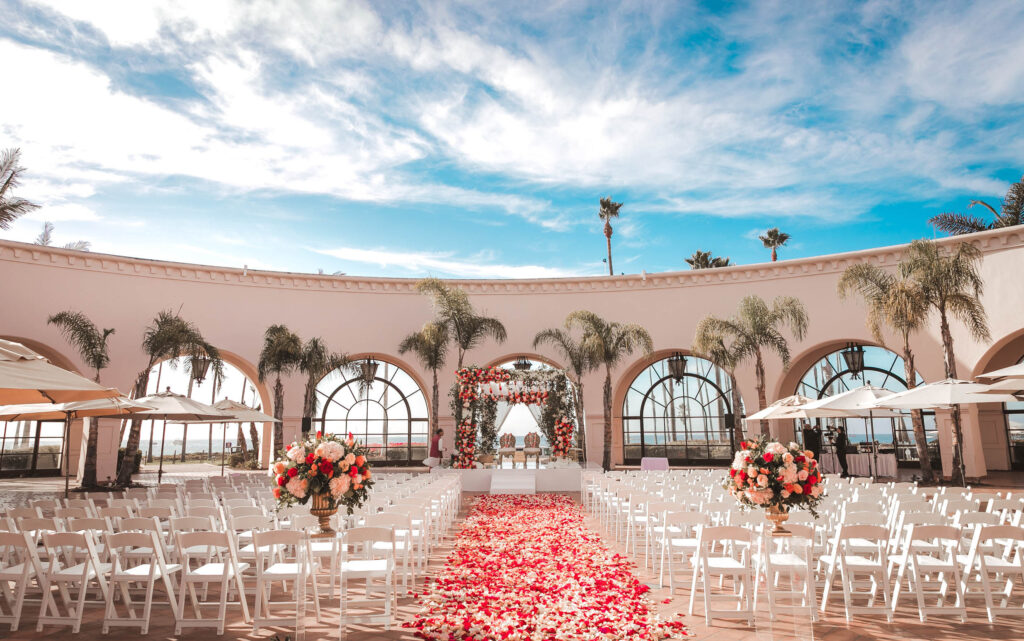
(388, 414)
(882, 368)
(686, 421)
(1014, 413)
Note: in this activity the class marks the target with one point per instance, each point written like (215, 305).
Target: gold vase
(321, 508)
(778, 515)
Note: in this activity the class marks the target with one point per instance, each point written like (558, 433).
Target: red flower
(352, 471)
(743, 445)
(326, 467)
(732, 472)
(281, 480)
(319, 434)
(293, 472)
(807, 487)
(310, 458)
(768, 456)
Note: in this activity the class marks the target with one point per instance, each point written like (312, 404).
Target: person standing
(812, 439)
(842, 443)
(434, 458)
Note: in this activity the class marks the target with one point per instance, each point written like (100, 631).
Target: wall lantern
(677, 367)
(854, 357)
(369, 370)
(200, 365)
(522, 364)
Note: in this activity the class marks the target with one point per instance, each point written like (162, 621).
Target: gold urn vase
(778, 515)
(321, 507)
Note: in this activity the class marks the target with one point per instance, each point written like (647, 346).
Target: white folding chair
(124, 550)
(929, 562)
(676, 537)
(74, 563)
(283, 556)
(858, 551)
(734, 562)
(208, 557)
(1005, 566)
(19, 565)
(790, 557)
(364, 557)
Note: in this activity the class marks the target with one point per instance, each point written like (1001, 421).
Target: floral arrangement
(324, 464)
(769, 474)
(472, 376)
(507, 441)
(564, 429)
(465, 445)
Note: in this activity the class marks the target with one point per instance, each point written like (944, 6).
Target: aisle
(526, 567)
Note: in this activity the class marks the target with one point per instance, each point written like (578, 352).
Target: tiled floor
(831, 627)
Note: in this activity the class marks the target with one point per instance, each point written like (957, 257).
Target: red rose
(281, 480)
(310, 458)
(293, 472)
(326, 467)
(798, 459)
(743, 445)
(768, 456)
(742, 475)
(807, 487)
(352, 471)
(732, 472)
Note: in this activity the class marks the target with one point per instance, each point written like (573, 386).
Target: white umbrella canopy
(784, 408)
(176, 408)
(105, 407)
(242, 413)
(942, 394)
(857, 402)
(1014, 386)
(27, 377)
(1013, 371)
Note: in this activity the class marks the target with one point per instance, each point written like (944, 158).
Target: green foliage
(559, 403)
(317, 361)
(84, 335)
(704, 260)
(10, 173)
(1011, 213)
(281, 353)
(488, 437)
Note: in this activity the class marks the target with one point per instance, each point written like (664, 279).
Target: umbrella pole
(163, 439)
(223, 440)
(874, 446)
(67, 452)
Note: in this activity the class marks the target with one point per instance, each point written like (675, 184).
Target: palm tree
(281, 355)
(607, 343)
(756, 327)
(704, 260)
(1012, 213)
(467, 328)
(712, 346)
(92, 347)
(316, 361)
(952, 286)
(900, 304)
(430, 344)
(169, 337)
(10, 172)
(580, 363)
(609, 209)
(773, 239)
(45, 237)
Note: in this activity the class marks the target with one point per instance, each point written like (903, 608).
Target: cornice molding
(56, 257)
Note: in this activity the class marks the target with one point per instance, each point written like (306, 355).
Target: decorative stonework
(990, 241)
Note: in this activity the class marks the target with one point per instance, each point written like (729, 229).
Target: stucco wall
(232, 307)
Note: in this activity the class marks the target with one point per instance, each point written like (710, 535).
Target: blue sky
(474, 140)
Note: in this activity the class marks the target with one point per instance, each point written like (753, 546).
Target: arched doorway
(199, 442)
(882, 368)
(688, 421)
(386, 410)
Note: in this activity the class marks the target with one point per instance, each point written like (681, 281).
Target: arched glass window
(688, 421)
(882, 368)
(1014, 413)
(388, 414)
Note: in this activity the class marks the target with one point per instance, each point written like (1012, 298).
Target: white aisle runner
(514, 482)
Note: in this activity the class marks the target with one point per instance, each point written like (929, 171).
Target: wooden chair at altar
(531, 447)
(506, 447)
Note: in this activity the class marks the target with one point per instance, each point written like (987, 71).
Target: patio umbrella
(944, 394)
(243, 414)
(1013, 371)
(176, 408)
(784, 408)
(1005, 386)
(855, 403)
(26, 377)
(114, 406)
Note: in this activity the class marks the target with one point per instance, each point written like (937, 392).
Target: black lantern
(854, 357)
(369, 370)
(677, 367)
(200, 365)
(522, 364)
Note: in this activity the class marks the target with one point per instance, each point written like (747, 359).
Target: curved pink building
(369, 316)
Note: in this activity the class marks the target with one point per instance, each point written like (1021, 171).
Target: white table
(859, 464)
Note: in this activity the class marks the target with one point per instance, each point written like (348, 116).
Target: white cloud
(442, 263)
(64, 212)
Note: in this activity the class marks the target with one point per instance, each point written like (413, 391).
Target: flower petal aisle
(526, 567)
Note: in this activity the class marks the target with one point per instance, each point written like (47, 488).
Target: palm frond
(79, 245)
(82, 333)
(983, 204)
(957, 224)
(45, 237)
(609, 209)
(281, 352)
